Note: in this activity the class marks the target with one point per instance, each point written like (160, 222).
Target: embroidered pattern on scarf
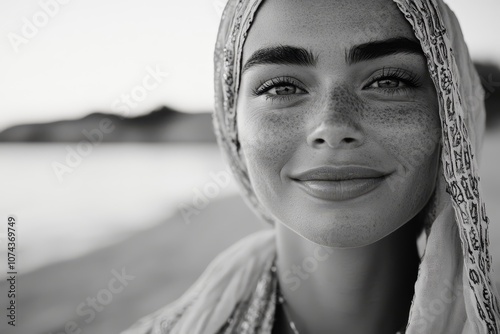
(460, 168)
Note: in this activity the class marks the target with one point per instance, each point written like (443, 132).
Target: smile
(339, 183)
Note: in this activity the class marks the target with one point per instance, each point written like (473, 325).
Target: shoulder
(230, 278)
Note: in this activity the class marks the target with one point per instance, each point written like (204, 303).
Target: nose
(335, 130)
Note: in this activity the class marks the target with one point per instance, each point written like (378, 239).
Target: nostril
(347, 140)
(334, 136)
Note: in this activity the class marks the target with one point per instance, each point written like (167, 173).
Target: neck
(332, 290)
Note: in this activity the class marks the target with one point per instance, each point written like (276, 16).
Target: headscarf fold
(453, 292)
(462, 113)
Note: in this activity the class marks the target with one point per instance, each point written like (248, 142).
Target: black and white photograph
(250, 167)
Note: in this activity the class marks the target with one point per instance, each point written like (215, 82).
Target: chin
(336, 239)
(345, 229)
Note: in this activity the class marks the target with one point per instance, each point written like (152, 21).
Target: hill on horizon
(161, 125)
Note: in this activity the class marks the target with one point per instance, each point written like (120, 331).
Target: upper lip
(338, 173)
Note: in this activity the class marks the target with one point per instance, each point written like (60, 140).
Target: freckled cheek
(268, 139)
(411, 133)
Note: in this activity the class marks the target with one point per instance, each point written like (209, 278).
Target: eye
(280, 88)
(394, 81)
(387, 83)
(285, 90)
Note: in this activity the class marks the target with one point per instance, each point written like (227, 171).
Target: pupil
(389, 83)
(284, 90)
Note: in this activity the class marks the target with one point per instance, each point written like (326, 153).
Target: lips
(339, 183)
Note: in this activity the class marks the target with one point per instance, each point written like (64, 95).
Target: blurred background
(109, 163)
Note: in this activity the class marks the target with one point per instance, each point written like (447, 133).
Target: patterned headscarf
(462, 114)
(453, 291)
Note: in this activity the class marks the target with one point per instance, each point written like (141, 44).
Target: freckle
(347, 102)
(275, 139)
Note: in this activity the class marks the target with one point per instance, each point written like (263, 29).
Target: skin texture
(337, 119)
(340, 114)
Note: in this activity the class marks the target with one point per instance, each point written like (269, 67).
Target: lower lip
(340, 190)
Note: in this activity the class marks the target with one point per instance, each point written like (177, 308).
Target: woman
(350, 131)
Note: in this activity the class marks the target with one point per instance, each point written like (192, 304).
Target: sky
(62, 59)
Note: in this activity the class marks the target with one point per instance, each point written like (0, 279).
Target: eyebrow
(378, 49)
(292, 55)
(281, 55)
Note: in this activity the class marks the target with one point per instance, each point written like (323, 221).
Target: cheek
(268, 138)
(411, 134)
(409, 131)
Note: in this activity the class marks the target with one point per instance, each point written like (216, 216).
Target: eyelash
(266, 86)
(411, 80)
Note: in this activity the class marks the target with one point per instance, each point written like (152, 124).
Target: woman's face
(337, 118)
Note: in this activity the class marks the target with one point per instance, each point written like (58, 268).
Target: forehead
(325, 25)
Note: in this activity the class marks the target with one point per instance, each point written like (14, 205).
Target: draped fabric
(462, 120)
(453, 292)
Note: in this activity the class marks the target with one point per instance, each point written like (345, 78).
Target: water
(115, 191)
